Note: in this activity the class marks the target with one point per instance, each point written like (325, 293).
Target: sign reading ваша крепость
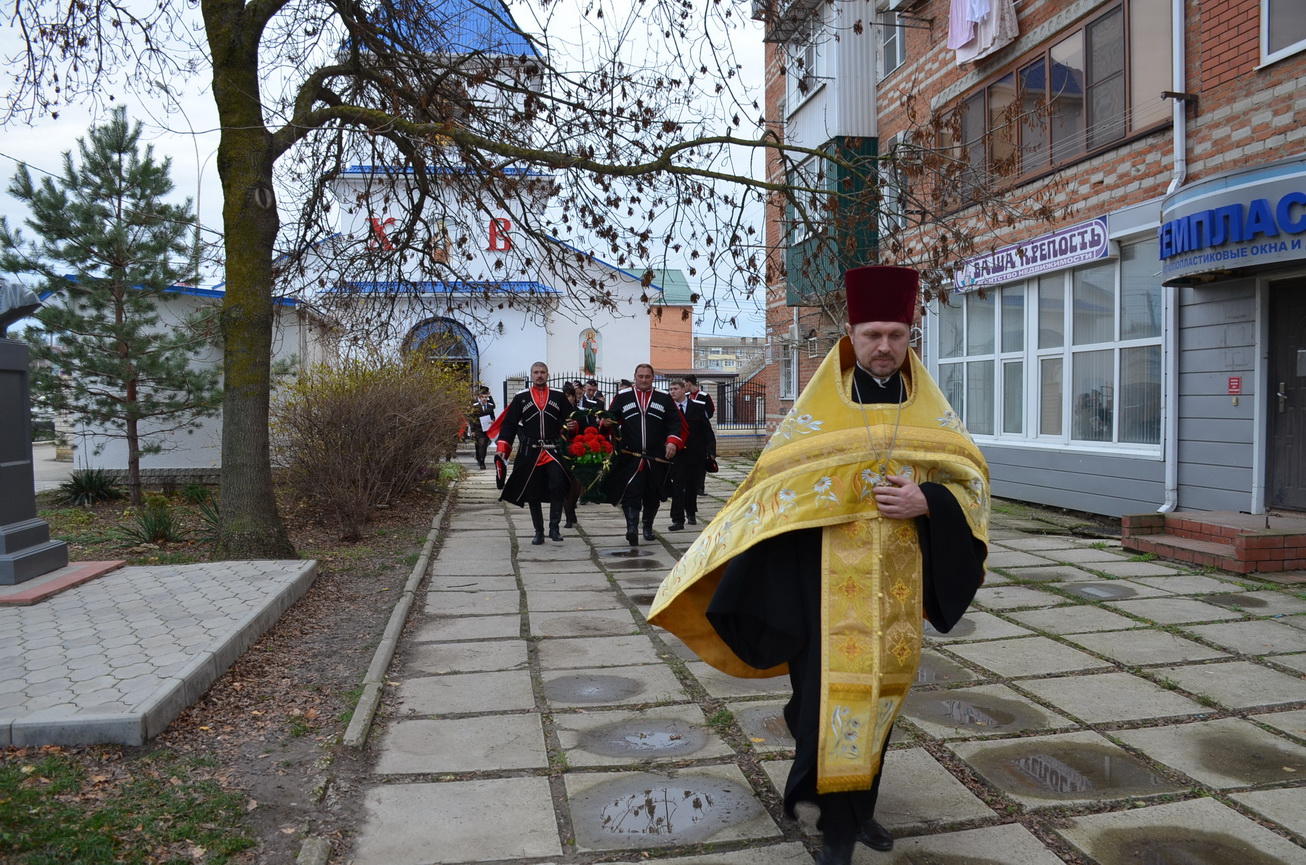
(1055, 251)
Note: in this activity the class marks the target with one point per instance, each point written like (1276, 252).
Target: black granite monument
(26, 550)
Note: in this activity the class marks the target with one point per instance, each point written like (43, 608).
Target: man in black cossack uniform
(480, 418)
(690, 464)
(651, 430)
(538, 417)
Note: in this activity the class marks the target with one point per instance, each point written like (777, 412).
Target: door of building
(1286, 446)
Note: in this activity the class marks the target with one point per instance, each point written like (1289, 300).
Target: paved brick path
(1091, 707)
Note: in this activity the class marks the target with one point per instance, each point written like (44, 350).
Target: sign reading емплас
(1044, 254)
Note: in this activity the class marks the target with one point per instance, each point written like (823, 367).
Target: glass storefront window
(979, 324)
(1049, 396)
(951, 328)
(1140, 292)
(1140, 395)
(1051, 311)
(979, 397)
(1013, 397)
(1013, 318)
(1093, 390)
(1093, 299)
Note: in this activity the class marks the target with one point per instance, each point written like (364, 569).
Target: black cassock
(767, 609)
(537, 428)
(640, 469)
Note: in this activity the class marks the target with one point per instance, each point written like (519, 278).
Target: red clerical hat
(882, 293)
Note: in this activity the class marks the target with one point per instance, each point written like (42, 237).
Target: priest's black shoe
(676, 527)
(875, 836)
(554, 534)
(836, 853)
(538, 539)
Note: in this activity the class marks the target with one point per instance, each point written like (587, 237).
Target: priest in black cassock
(867, 511)
(538, 415)
(650, 429)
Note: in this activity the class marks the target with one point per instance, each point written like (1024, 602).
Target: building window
(807, 206)
(1283, 29)
(804, 74)
(789, 374)
(893, 187)
(893, 44)
(1085, 92)
(1066, 358)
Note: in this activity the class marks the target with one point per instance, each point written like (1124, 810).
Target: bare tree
(611, 129)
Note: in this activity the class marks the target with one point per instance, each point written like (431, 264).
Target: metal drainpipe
(1180, 174)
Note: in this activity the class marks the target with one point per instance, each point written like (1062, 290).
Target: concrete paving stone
(1237, 684)
(473, 603)
(984, 710)
(1089, 557)
(462, 547)
(660, 562)
(590, 581)
(1135, 570)
(659, 734)
(612, 686)
(1038, 543)
(1172, 610)
(455, 628)
(1062, 769)
(466, 693)
(47, 686)
(1145, 647)
(1296, 662)
(463, 583)
(1051, 573)
(1295, 621)
(1195, 831)
(592, 623)
(468, 566)
(1293, 723)
(597, 652)
(573, 551)
(1224, 753)
(757, 853)
(993, 578)
(441, 658)
(1077, 619)
(1260, 603)
(976, 625)
(1026, 656)
(1008, 844)
(1262, 637)
(698, 805)
(720, 685)
(1111, 590)
(544, 601)
(1015, 559)
(1190, 584)
(762, 721)
(918, 793)
(531, 570)
(637, 582)
(399, 829)
(1012, 597)
(1285, 807)
(483, 743)
(1104, 698)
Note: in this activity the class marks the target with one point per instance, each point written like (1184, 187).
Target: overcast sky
(184, 128)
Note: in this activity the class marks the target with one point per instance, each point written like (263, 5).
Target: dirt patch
(268, 727)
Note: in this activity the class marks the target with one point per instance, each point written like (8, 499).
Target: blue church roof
(456, 27)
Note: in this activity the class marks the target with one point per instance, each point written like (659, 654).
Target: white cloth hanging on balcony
(993, 24)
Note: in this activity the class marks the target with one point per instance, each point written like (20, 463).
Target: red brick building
(1128, 336)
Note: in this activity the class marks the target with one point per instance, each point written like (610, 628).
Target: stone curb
(361, 722)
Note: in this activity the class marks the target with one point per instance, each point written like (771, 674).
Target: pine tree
(107, 250)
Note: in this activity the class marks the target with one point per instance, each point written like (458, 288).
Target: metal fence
(740, 406)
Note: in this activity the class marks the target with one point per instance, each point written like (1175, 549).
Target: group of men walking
(663, 443)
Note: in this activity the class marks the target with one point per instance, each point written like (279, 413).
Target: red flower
(590, 431)
(577, 449)
(607, 447)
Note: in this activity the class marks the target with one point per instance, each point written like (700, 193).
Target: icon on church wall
(589, 351)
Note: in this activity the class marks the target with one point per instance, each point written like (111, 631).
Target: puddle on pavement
(981, 713)
(1175, 845)
(643, 598)
(766, 723)
(650, 810)
(964, 628)
(624, 552)
(592, 689)
(935, 671)
(1242, 602)
(645, 738)
(1068, 770)
(1100, 591)
(633, 565)
(1251, 760)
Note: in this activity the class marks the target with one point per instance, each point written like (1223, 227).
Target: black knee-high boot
(537, 520)
(555, 514)
(632, 524)
(649, 514)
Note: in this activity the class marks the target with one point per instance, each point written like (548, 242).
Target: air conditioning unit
(814, 346)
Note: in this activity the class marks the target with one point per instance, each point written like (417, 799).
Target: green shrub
(155, 522)
(365, 432)
(196, 494)
(90, 486)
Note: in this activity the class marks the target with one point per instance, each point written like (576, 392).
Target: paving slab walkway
(1091, 707)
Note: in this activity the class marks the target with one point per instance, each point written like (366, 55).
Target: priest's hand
(902, 501)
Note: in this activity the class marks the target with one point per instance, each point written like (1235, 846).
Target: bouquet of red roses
(590, 454)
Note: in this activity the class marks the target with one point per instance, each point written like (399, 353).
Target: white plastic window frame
(1266, 27)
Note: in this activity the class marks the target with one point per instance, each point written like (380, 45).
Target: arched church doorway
(448, 343)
